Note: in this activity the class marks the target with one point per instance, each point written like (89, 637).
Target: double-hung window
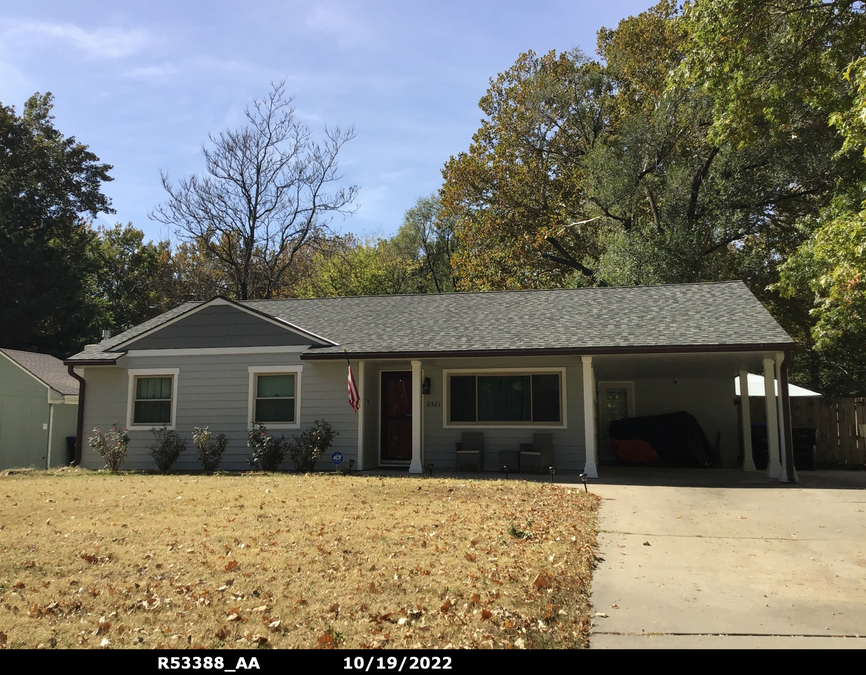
(152, 398)
(505, 398)
(275, 393)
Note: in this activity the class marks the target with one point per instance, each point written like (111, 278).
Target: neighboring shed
(38, 409)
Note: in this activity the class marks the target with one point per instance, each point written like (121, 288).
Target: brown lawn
(287, 561)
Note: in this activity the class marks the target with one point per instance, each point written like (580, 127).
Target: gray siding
(220, 326)
(214, 391)
(439, 439)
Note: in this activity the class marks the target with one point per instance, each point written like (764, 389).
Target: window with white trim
(505, 398)
(275, 396)
(152, 398)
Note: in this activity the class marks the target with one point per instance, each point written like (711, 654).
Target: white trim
(274, 370)
(590, 434)
(417, 416)
(205, 351)
(563, 399)
(216, 302)
(130, 399)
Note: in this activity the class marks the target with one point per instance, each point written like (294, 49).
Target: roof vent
(106, 333)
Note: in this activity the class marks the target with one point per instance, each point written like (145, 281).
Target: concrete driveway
(717, 558)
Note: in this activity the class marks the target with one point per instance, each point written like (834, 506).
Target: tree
(265, 195)
(128, 279)
(47, 184)
(428, 238)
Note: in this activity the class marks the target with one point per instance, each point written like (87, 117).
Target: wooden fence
(840, 425)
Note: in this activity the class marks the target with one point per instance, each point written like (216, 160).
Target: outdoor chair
(470, 451)
(537, 457)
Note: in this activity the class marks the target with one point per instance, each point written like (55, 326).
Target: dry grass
(286, 561)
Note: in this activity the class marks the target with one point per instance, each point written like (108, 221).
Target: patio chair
(470, 451)
(537, 457)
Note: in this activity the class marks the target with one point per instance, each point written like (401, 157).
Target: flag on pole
(354, 398)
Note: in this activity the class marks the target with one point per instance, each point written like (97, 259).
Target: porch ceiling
(711, 364)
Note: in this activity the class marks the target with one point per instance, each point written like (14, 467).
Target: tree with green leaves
(49, 184)
(129, 275)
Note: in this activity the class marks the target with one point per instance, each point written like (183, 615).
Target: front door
(396, 416)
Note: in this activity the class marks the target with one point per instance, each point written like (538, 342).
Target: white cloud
(110, 43)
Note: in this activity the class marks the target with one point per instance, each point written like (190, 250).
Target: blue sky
(143, 84)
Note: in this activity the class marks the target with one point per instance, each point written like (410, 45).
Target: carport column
(361, 411)
(773, 466)
(591, 468)
(415, 466)
(783, 437)
(746, 415)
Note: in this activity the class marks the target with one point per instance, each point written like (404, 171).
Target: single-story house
(429, 368)
(38, 410)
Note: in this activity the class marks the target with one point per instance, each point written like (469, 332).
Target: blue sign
(337, 458)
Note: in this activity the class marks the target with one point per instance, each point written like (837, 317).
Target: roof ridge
(496, 292)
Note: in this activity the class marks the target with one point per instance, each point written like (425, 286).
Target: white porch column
(783, 440)
(361, 411)
(591, 467)
(415, 465)
(773, 465)
(746, 415)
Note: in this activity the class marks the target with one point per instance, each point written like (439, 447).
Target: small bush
(210, 450)
(306, 448)
(268, 451)
(111, 446)
(167, 448)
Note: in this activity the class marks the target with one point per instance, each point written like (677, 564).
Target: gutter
(312, 355)
(79, 430)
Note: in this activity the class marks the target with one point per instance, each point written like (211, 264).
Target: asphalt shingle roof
(47, 369)
(621, 318)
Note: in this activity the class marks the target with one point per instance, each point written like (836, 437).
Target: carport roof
(721, 316)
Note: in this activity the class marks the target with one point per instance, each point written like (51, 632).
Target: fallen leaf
(446, 605)
(541, 581)
(231, 565)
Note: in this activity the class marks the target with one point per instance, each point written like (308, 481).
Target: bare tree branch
(269, 189)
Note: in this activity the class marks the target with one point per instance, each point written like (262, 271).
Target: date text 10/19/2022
(217, 663)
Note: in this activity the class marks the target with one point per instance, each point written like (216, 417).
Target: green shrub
(167, 448)
(307, 447)
(110, 445)
(268, 451)
(210, 450)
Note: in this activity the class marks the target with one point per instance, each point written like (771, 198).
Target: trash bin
(70, 450)
(760, 449)
(804, 442)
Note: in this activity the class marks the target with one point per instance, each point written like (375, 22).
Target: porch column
(591, 466)
(746, 415)
(773, 465)
(415, 465)
(362, 408)
(785, 439)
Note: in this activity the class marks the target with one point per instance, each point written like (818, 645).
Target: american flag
(354, 398)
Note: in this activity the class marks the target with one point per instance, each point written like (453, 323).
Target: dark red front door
(397, 416)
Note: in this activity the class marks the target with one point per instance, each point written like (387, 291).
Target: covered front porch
(413, 411)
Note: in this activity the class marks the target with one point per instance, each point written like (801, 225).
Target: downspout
(786, 418)
(79, 431)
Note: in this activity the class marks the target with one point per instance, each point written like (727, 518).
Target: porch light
(425, 386)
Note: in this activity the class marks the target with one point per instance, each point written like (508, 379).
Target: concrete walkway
(715, 558)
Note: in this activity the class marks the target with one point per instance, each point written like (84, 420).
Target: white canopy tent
(756, 387)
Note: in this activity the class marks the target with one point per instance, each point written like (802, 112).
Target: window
(275, 396)
(152, 398)
(505, 398)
